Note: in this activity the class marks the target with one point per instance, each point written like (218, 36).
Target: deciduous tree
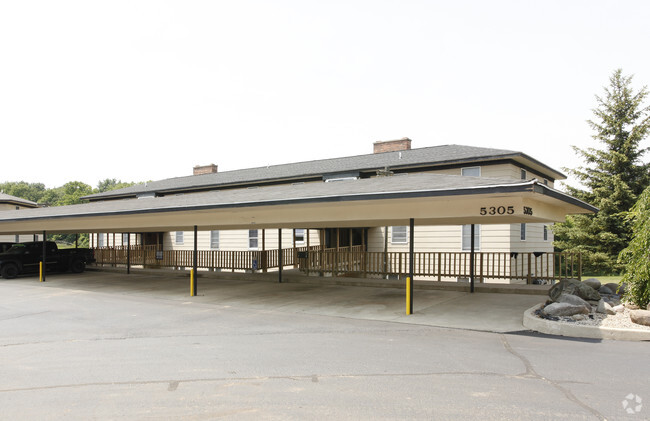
(636, 256)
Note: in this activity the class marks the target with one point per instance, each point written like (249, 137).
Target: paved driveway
(478, 311)
(100, 346)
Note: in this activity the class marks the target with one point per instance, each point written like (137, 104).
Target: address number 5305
(498, 210)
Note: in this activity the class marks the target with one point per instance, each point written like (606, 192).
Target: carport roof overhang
(431, 199)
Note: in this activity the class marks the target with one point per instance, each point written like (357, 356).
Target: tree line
(68, 194)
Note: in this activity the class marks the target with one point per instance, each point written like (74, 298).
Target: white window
(214, 239)
(253, 239)
(332, 180)
(399, 235)
(179, 237)
(522, 230)
(300, 236)
(524, 176)
(100, 240)
(545, 233)
(470, 172)
(467, 237)
(125, 239)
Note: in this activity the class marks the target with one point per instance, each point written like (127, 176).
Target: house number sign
(503, 210)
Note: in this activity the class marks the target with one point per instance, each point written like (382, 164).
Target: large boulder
(573, 287)
(605, 308)
(616, 288)
(606, 290)
(564, 309)
(575, 300)
(640, 317)
(593, 282)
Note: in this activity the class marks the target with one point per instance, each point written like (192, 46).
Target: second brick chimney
(402, 144)
(205, 169)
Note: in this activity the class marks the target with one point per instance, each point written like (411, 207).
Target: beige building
(389, 159)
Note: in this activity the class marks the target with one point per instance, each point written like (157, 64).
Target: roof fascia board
(530, 186)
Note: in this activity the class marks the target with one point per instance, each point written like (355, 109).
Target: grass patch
(604, 279)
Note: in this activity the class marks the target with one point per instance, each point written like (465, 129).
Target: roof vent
(205, 169)
(403, 144)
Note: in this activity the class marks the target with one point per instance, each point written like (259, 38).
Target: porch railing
(354, 261)
(150, 256)
(528, 267)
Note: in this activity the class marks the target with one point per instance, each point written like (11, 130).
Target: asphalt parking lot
(107, 346)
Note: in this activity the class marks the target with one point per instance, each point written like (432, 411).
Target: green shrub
(636, 257)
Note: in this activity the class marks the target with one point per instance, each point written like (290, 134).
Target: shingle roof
(7, 198)
(413, 158)
(410, 185)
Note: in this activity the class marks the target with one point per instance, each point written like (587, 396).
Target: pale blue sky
(141, 90)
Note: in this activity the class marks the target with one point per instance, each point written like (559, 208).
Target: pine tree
(613, 177)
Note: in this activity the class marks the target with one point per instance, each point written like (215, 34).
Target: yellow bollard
(191, 282)
(40, 271)
(408, 295)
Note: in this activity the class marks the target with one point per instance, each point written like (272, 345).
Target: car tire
(9, 271)
(77, 266)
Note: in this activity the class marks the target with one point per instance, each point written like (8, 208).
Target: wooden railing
(354, 261)
(150, 256)
(445, 265)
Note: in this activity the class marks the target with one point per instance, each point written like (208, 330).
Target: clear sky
(145, 90)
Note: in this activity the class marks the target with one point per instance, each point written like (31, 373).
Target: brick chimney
(205, 169)
(402, 144)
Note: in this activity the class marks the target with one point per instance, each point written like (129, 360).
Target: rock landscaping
(592, 303)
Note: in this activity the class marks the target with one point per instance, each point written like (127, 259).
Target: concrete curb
(578, 331)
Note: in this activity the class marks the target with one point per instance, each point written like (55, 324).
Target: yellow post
(40, 271)
(408, 295)
(191, 282)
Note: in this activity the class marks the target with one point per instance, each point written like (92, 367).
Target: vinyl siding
(236, 240)
(534, 239)
(507, 171)
(23, 238)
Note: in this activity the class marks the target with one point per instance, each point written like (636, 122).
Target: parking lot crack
(531, 373)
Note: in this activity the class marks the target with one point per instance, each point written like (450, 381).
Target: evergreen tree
(613, 177)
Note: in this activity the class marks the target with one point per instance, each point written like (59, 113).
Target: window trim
(476, 167)
(545, 235)
(213, 234)
(181, 236)
(393, 240)
(477, 237)
(304, 235)
(523, 231)
(523, 174)
(256, 238)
